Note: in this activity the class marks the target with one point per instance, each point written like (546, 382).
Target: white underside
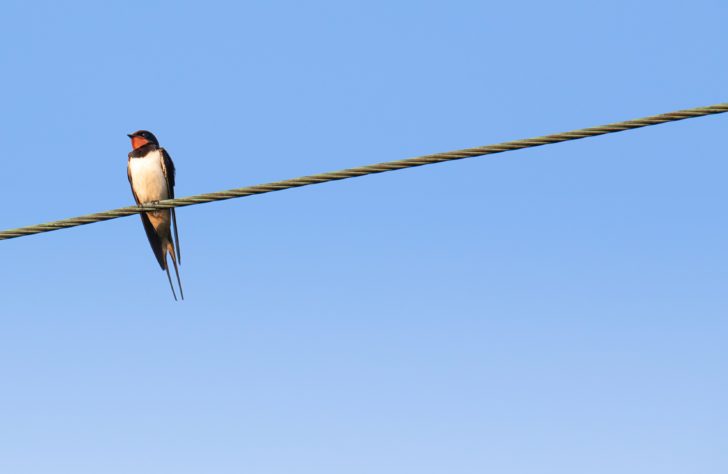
(147, 177)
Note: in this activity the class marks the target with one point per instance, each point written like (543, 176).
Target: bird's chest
(147, 177)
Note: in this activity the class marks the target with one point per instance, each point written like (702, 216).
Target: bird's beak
(130, 135)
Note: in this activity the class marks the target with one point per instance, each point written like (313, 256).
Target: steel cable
(367, 170)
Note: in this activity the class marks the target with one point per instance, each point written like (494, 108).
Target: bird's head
(141, 138)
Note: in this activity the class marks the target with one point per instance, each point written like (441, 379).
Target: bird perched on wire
(151, 175)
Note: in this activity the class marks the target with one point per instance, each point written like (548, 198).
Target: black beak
(130, 135)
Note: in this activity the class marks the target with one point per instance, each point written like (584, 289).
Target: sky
(554, 310)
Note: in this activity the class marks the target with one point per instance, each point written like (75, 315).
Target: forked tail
(170, 282)
(173, 254)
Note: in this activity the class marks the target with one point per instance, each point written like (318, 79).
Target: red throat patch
(137, 142)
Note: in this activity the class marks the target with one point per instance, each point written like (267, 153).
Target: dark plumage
(151, 174)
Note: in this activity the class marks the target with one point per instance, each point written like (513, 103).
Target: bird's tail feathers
(166, 267)
(173, 254)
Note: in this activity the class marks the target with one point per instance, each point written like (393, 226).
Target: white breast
(148, 178)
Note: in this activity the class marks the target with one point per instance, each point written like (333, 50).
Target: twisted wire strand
(368, 169)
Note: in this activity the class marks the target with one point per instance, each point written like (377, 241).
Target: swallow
(151, 175)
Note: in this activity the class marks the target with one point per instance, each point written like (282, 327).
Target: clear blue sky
(556, 310)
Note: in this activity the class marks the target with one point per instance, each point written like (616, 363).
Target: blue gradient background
(555, 310)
